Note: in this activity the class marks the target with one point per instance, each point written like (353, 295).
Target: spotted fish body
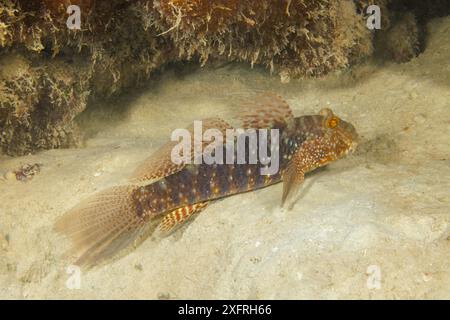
(108, 222)
(203, 182)
(197, 183)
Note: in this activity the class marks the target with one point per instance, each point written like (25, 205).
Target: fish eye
(333, 122)
(330, 120)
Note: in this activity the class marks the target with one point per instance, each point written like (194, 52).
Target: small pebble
(420, 119)
(426, 277)
(284, 77)
(10, 176)
(163, 296)
(413, 95)
(11, 267)
(4, 242)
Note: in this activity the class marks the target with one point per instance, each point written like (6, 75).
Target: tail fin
(103, 225)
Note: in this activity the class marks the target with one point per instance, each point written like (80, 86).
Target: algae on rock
(122, 43)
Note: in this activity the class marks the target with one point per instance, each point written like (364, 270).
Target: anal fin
(177, 217)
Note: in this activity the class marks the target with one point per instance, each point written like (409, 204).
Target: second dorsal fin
(160, 164)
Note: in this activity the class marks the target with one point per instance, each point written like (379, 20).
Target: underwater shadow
(107, 112)
(312, 177)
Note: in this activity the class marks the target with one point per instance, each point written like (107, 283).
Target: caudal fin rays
(102, 225)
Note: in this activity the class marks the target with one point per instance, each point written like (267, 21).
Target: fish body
(202, 182)
(198, 183)
(110, 221)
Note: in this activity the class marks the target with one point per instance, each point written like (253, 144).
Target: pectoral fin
(293, 177)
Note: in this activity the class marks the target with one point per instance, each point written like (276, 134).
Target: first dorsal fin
(265, 110)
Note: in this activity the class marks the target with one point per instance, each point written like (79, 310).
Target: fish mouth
(352, 147)
(350, 139)
(354, 141)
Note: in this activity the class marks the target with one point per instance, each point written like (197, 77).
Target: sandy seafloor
(381, 214)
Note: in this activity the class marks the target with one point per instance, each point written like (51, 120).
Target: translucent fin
(160, 165)
(266, 110)
(177, 217)
(293, 177)
(103, 225)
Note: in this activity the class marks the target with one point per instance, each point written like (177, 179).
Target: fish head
(325, 138)
(338, 137)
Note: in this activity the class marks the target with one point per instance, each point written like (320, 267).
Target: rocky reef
(50, 73)
(291, 38)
